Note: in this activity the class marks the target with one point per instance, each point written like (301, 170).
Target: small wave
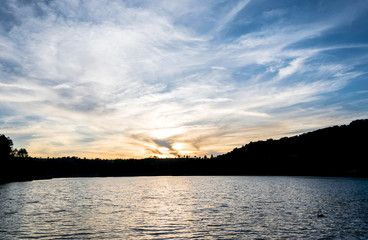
(10, 213)
(59, 211)
(215, 225)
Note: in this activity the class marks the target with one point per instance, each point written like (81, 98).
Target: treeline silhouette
(333, 151)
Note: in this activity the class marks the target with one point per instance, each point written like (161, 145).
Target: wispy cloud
(293, 67)
(134, 79)
(228, 17)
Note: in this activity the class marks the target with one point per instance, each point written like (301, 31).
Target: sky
(133, 79)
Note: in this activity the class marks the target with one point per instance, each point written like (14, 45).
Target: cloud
(131, 79)
(231, 15)
(293, 67)
(274, 13)
(218, 68)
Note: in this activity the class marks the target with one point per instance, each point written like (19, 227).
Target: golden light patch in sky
(183, 148)
(166, 132)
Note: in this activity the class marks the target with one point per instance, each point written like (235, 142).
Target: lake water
(203, 207)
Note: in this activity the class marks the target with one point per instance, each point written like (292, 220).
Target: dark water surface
(185, 207)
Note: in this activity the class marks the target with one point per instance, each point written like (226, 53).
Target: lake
(202, 207)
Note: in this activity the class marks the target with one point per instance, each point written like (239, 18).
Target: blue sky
(120, 79)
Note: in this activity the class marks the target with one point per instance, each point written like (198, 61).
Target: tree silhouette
(5, 147)
(22, 153)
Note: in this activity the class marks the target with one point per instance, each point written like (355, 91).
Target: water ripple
(185, 207)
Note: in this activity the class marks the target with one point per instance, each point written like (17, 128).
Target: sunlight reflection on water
(185, 207)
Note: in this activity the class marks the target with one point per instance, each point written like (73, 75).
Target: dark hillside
(338, 150)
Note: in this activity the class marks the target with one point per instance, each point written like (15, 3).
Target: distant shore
(333, 151)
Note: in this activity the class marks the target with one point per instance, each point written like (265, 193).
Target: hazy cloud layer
(140, 78)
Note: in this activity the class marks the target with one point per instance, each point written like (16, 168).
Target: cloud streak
(124, 79)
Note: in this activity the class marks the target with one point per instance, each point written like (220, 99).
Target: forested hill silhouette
(338, 150)
(333, 151)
